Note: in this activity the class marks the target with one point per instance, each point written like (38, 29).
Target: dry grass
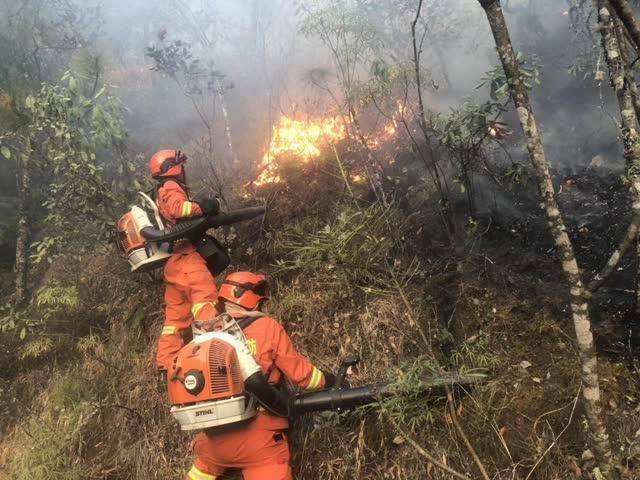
(341, 275)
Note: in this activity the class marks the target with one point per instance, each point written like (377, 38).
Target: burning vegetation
(299, 139)
(402, 203)
(303, 141)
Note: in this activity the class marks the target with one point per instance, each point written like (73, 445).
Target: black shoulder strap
(244, 322)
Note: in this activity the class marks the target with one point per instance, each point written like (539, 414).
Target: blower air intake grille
(224, 370)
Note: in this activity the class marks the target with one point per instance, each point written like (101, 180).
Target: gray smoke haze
(258, 47)
(266, 62)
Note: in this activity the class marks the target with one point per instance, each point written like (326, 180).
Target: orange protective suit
(258, 447)
(190, 293)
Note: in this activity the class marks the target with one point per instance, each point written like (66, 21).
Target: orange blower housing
(143, 255)
(206, 383)
(130, 237)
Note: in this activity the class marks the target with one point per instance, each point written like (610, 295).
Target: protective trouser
(190, 298)
(190, 294)
(259, 453)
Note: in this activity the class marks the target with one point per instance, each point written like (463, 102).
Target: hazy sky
(257, 45)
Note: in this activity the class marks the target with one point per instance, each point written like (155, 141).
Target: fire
(304, 139)
(299, 138)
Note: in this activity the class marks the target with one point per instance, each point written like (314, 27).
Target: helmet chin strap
(238, 311)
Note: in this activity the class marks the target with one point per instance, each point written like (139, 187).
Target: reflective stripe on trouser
(197, 474)
(316, 380)
(188, 281)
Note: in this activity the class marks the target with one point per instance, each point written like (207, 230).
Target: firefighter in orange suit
(258, 447)
(190, 294)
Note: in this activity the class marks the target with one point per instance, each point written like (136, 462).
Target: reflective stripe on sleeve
(195, 474)
(316, 379)
(197, 308)
(187, 208)
(169, 330)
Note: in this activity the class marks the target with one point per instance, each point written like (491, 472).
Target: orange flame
(304, 140)
(299, 138)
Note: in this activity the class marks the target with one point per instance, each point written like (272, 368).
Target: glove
(330, 379)
(209, 205)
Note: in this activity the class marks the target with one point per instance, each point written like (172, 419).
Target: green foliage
(88, 68)
(496, 79)
(69, 390)
(385, 79)
(587, 65)
(349, 35)
(409, 405)
(474, 353)
(37, 348)
(15, 322)
(53, 302)
(89, 343)
(341, 23)
(176, 60)
(70, 138)
(468, 125)
(38, 40)
(517, 174)
(45, 458)
(55, 298)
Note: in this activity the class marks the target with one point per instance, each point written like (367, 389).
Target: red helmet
(245, 289)
(167, 163)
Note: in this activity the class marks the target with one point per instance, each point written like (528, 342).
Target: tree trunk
(625, 13)
(621, 36)
(227, 124)
(555, 222)
(631, 236)
(615, 54)
(23, 179)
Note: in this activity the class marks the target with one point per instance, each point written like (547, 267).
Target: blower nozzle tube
(198, 226)
(349, 398)
(341, 399)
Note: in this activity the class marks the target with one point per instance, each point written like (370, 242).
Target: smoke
(267, 68)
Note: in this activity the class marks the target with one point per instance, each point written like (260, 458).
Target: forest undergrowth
(347, 277)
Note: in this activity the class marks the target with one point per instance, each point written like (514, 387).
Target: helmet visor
(171, 162)
(261, 288)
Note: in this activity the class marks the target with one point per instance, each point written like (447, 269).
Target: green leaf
(6, 153)
(23, 333)
(100, 93)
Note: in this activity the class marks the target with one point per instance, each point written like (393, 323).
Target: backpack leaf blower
(148, 244)
(214, 381)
